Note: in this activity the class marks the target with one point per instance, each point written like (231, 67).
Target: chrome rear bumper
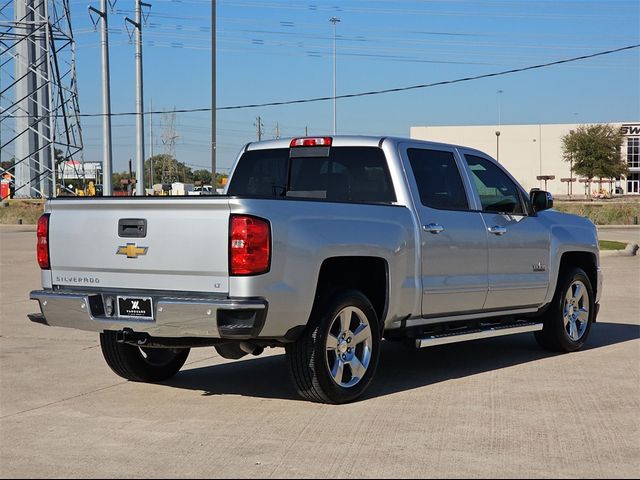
(173, 316)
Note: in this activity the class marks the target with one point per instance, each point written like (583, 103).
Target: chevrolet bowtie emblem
(131, 250)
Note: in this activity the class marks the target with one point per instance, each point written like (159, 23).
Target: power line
(415, 11)
(373, 92)
(428, 85)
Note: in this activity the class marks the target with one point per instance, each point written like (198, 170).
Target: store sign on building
(630, 129)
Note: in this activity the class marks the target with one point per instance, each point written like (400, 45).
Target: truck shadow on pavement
(401, 367)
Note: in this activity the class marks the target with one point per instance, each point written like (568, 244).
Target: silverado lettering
(63, 279)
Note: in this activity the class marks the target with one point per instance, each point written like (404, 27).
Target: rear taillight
(43, 242)
(249, 245)
(311, 142)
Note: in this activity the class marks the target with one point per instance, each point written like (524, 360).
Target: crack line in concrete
(62, 400)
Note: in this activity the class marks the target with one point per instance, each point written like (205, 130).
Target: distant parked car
(202, 190)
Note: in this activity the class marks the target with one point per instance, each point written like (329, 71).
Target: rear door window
(438, 179)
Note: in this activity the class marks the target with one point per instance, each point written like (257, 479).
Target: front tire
(337, 355)
(568, 320)
(140, 364)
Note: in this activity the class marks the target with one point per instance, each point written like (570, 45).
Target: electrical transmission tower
(40, 131)
(259, 128)
(169, 137)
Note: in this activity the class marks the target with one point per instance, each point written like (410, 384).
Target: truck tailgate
(184, 248)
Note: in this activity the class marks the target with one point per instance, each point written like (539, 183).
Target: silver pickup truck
(323, 246)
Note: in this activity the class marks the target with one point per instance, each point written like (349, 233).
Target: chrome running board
(445, 338)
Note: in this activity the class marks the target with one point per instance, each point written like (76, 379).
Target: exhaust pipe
(229, 350)
(237, 350)
(251, 349)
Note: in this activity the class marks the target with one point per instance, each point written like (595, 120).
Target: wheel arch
(370, 275)
(587, 261)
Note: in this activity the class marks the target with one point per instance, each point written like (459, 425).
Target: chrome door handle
(497, 230)
(433, 228)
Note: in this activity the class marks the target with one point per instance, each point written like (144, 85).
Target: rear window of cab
(344, 174)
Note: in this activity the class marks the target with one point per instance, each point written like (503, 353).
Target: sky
(269, 51)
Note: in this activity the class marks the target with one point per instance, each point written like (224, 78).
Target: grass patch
(603, 213)
(27, 211)
(611, 245)
(619, 213)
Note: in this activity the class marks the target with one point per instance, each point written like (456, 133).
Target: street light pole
(540, 147)
(499, 125)
(500, 108)
(334, 20)
(571, 132)
(213, 96)
(137, 24)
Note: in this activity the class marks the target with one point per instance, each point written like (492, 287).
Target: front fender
(569, 234)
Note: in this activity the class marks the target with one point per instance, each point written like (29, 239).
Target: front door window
(496, 191)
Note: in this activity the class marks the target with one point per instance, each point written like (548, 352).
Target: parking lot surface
(627, 234)
(492, 408)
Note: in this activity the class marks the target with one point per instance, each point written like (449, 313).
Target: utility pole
(47, 155)
(259, 127)
(151, 144)
(213, 95)
(130, 179)
(277, 130)
(137, 24)
(107, 152)
(334, 20)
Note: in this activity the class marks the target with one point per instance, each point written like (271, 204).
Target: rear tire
(568, 320)
(140, 364)
(337, 355)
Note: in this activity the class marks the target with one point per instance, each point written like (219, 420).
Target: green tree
(203, 176)
(58, 156)
(167, 169)
(116, 180)
(595, 151)
(8, 164)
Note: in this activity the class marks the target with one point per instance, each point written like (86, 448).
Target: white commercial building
(532, 151)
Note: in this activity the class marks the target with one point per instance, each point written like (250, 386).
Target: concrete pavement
(627, 234)
(492, 408)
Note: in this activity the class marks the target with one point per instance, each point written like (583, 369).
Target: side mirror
(541, 200)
